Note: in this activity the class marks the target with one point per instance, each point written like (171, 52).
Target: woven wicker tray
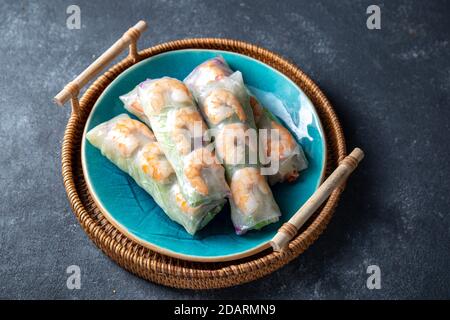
(163, 269)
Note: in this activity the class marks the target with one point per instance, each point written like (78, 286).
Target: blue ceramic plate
(135, 213)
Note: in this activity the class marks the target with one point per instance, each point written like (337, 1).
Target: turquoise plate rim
(220, 258)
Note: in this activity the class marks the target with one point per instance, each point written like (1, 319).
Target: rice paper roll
(131, 146)
(225, 105)
(182, 133)
(289, 154)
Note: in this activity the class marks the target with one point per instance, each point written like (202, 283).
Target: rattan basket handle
(72, 89)
(336, 179)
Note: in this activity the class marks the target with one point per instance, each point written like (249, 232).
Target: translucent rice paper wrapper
(209, 71)
(260, 209)
(133, 105)
(179, 128)
(291, 158)
(238, 123)
(225, 105)
(132, 147)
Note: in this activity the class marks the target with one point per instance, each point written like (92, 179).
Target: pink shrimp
(221, 104)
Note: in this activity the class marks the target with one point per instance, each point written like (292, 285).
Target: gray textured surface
(390, 89)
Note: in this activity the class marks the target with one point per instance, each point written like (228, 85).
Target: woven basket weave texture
(170, 271)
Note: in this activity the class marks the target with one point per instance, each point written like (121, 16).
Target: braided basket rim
(170, 271)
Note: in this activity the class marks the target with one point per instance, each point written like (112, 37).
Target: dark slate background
(390, 89)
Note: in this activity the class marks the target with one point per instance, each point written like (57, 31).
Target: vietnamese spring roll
(289, 154)
(182, 134)
(131, 146)
(225, 105)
